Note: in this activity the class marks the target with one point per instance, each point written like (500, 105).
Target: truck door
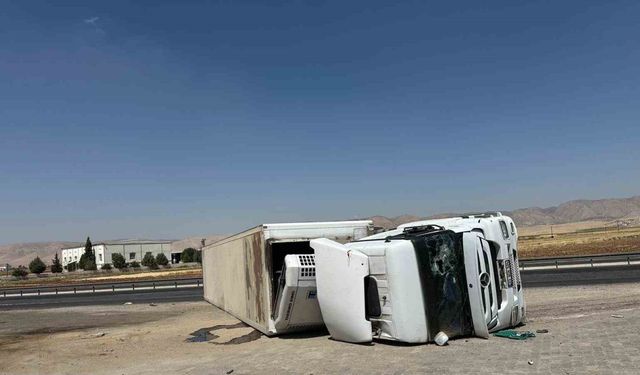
(340, 274)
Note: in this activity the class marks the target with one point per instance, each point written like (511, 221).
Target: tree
(118, 261)
(162, 260)
(37, 266)
(56, 266)
(106, 267)
(199, 256)
(188, 255)
(20, 272)
(149, 261)
(134, 264)
(88, 259)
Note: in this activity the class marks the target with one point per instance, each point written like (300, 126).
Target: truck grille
(515, 269)
(508, 272)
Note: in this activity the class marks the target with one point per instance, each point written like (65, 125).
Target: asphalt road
(580, 276)
(103, 298)
(532, 278)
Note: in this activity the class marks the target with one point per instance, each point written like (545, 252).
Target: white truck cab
(499, 232)
(457, 275)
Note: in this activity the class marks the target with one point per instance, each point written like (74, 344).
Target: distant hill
(625, 210)
(579, 210)
(22, 253)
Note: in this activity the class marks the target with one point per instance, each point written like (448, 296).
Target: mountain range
(573, 211)
(568, 212)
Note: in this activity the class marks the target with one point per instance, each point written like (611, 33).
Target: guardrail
(102, 287)
(585, 261)
(549, 263)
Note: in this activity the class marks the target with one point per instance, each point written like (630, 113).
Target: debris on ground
(515, 335)
(542, 331)
(617, 316)
(128, 303)
(530, 362)
(95, 335)
(152, 304)
(230, 371)
(441, 338)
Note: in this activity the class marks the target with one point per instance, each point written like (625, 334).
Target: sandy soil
(534, 230)
(583, 337)
(145, 275)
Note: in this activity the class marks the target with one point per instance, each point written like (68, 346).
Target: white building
(131, 250)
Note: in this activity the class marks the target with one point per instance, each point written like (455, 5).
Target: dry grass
(160, 274)
(533, 230)
(587, 241)
(98, 277)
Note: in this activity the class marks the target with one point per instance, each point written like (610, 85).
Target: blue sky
(171, 119)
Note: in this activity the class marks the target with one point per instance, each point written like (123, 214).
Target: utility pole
(552, 231)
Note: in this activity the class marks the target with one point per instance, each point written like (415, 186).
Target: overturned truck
(453, 277)
(265, 276)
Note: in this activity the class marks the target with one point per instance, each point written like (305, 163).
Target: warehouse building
(132, 250)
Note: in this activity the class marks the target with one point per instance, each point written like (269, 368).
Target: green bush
(37, 266)
(149, 261)
(162, 260)
(56, 266)
(71, 266)
(106, 267)
(188, 255)
(20, 272)
(134, 264)
(118, 261)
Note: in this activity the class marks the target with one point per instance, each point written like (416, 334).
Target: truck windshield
(444, 283)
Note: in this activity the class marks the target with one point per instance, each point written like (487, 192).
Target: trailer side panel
(236, 279)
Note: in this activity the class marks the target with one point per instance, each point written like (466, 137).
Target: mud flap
(340, 274)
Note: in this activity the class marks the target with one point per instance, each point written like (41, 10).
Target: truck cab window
(505, 231)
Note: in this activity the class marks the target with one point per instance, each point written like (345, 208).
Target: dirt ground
(583, 337)
(545, 229)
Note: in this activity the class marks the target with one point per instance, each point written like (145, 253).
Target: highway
(103, 298)
(538, 278)
(580, 276)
